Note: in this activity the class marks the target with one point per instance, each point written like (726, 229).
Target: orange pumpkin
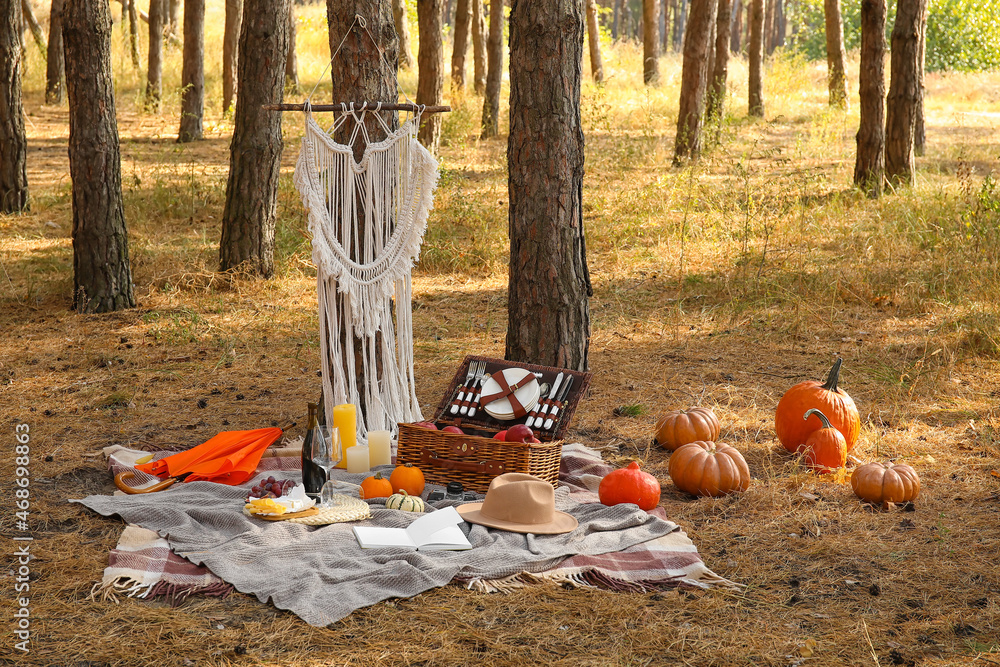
(826, 449)
(709, 469)
(838, 407)
(630, 485)
(683, 426)
(880, 483)
(407, 478)
(376, 486)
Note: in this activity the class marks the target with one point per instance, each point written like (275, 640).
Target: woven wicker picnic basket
(475, 458)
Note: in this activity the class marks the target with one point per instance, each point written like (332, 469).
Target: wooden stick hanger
(356, 106)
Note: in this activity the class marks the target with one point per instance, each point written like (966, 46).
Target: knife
(535, 414)
(559, 403)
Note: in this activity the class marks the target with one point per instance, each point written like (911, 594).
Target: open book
(436, 531)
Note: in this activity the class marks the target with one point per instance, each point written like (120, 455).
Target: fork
(465, 387)
(468, 406)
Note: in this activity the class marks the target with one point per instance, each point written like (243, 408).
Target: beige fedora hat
(519, 503)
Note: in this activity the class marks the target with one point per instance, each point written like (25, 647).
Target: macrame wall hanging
(367, 221)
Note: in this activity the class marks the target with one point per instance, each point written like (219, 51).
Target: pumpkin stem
(822, 417)
(834, 376)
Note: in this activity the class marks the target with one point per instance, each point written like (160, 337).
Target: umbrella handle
(129, 474)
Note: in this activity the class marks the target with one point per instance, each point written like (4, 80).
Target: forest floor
(719, 284)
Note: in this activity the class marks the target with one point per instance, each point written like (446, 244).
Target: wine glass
(327, 453)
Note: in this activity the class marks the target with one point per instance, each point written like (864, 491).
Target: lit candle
(357, 459)
(379, 449)
(345, 420)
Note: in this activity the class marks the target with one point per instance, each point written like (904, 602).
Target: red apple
(452, 429)
(500, 435)
(427, 425)
(519, 433)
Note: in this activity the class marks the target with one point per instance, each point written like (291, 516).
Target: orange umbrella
(231, 457)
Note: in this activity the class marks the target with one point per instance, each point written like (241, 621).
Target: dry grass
(720, 284)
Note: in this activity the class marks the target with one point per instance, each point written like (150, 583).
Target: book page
(432, 532)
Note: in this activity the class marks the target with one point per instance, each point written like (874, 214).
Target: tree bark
(292, 58)
(460, 46)
(904, 93)
(34, 27)
(230, 51)
(736, 29)
(430, 69)
(193, 72)
(154, 71)
(836, 56)
(13, 140)
(403, 34)
(869, 167)
(55, 64)
(650, 42)
(549, 284)
(494, 75)
(720, 65)
(102, 279)
(594, 42)
(478, 47)
(255, 152)
(694, 79)
(756, 58)
(920, 129)
(133, 33)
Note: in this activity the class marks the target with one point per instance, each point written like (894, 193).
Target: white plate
(527, 395)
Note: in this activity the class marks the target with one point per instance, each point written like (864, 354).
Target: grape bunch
(270, 487)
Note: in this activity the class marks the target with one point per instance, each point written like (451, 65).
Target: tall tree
(230, 51)
(736, 29)
(172, 17)
(904, 92)
(720, 64)
(836, 56)
(680, 24)
(650, 42)
(594, 42)
(292, 57)
(34, 26)
(755, 106)
(869, 166)
(547, 303)
(102, 278)
(430, 69)
(494, 74)
(694, 79)
(193, 72)
(920, 129)
(402, 24)
(664, 25)
(154, 71)
(460, 43)
(248, 218)
(478, 47)
(55, 65)
(133, 31)
(616, 20)
(13, 141)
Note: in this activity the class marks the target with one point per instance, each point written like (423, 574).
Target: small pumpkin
(709, 469)
(405, 502)
(838, 407)
(630, 485)
(880, 483)
(375, 486)
(409, 478)
(680, 427)
(826, 449)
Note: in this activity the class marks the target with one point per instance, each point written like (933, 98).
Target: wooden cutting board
(289, 515)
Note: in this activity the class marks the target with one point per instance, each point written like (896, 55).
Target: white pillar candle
(379, 448)
(357, 459)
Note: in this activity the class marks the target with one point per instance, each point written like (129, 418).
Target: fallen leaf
(807, 649)
(995, 473)
(814, 498)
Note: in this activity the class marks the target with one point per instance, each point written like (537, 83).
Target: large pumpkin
(838, 407)
(409, 478)
(880, 483)
(683, 426)
(709, 469)
(630, 485)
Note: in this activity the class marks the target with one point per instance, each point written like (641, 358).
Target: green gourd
(405, 502)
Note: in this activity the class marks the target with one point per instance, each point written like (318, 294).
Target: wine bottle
(313, 477)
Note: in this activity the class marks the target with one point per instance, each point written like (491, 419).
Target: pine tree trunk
(547, 305)
(13, 141)
(430, 69)
(650, 42)
(463, 17)
(664, 25)
(230, 51)
(720, 65)
(736, 29)
(694, 79)
(869, 167)
(478, 47)
(836, 56)
(292, 57)
(494, 75)
(133, 34)
(904, 93)
(173, 17)
(193, 72)
(33, 25)
(919, 128)
(594, 42)
(403, 34)
(755, 106)
(680, 25)
(255, 152)
(102, 278)
(154, 71)
(768, 29)
(55, 65)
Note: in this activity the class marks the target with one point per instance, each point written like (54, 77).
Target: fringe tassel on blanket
(597, 579)
(173, 594)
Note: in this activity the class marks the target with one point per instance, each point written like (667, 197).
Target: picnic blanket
(322, 575)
